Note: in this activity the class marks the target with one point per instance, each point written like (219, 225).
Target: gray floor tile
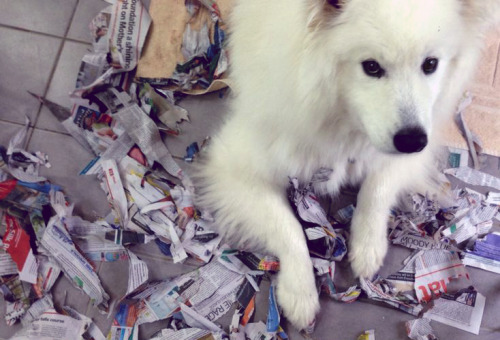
(47, 121)
(47, 16)
(65, 293)
(27, 61)
(7, 131)
(206, 114)
(68, 158)
(85, 11)
(62, 83)
(114, 279)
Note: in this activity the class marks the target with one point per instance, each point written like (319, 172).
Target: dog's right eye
(372, 68)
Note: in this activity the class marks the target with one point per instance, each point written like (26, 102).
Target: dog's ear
(323, 12)
(481, 14)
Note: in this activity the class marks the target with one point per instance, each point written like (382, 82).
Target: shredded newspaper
(420, 329)
(367, 335)
(486, 253)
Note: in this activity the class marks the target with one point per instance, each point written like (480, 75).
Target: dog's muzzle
(410, 140)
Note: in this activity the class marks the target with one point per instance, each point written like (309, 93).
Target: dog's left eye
(430, 65)
(372, 68)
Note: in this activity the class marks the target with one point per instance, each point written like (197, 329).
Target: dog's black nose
(410, 140)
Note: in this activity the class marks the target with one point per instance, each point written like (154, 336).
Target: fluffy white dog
(358, 86)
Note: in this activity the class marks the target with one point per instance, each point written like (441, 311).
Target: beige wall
(483, 116)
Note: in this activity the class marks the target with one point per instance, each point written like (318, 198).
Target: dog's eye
(372, 68)
(430, 65)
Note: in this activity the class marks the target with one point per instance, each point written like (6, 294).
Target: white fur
(303, 102)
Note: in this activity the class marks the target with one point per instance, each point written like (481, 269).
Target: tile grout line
(38, 128)
(2, 120)
(25, 30)
(52, 72)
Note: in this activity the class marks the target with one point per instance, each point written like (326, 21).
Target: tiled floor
(42, 43)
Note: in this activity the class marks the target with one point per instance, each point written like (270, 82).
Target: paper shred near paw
(367, 335)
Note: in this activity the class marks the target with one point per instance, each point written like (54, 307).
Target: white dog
(358, 86)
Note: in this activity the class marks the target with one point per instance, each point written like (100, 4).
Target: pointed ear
(482, 14)
(323, 12)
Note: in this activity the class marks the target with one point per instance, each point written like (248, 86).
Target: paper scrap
(434, 269)
(462, 310)
(420, 329)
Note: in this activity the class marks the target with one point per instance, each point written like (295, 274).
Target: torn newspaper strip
(462, 310)
(420, 329)
(434, 270)
(474, 177)
(60, 245)
(367, 335)
(54, 326)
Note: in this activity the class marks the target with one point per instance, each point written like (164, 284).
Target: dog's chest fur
(346, 152)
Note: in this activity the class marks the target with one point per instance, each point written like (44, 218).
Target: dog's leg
(283, 236)
(260, 214)
(296, 291)
(368, 241)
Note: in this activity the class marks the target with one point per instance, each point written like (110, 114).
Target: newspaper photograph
(485, 254)
(124, 327)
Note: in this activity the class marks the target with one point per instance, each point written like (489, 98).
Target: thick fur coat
(308, 95)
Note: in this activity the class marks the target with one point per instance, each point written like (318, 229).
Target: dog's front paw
(297, 295)
(367, 251)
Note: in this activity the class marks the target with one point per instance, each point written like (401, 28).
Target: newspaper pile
(443, 240)
(326, 244)
(151, 201)
(203, 49)
(37, 248)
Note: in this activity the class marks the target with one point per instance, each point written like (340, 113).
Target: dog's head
(398, 60)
